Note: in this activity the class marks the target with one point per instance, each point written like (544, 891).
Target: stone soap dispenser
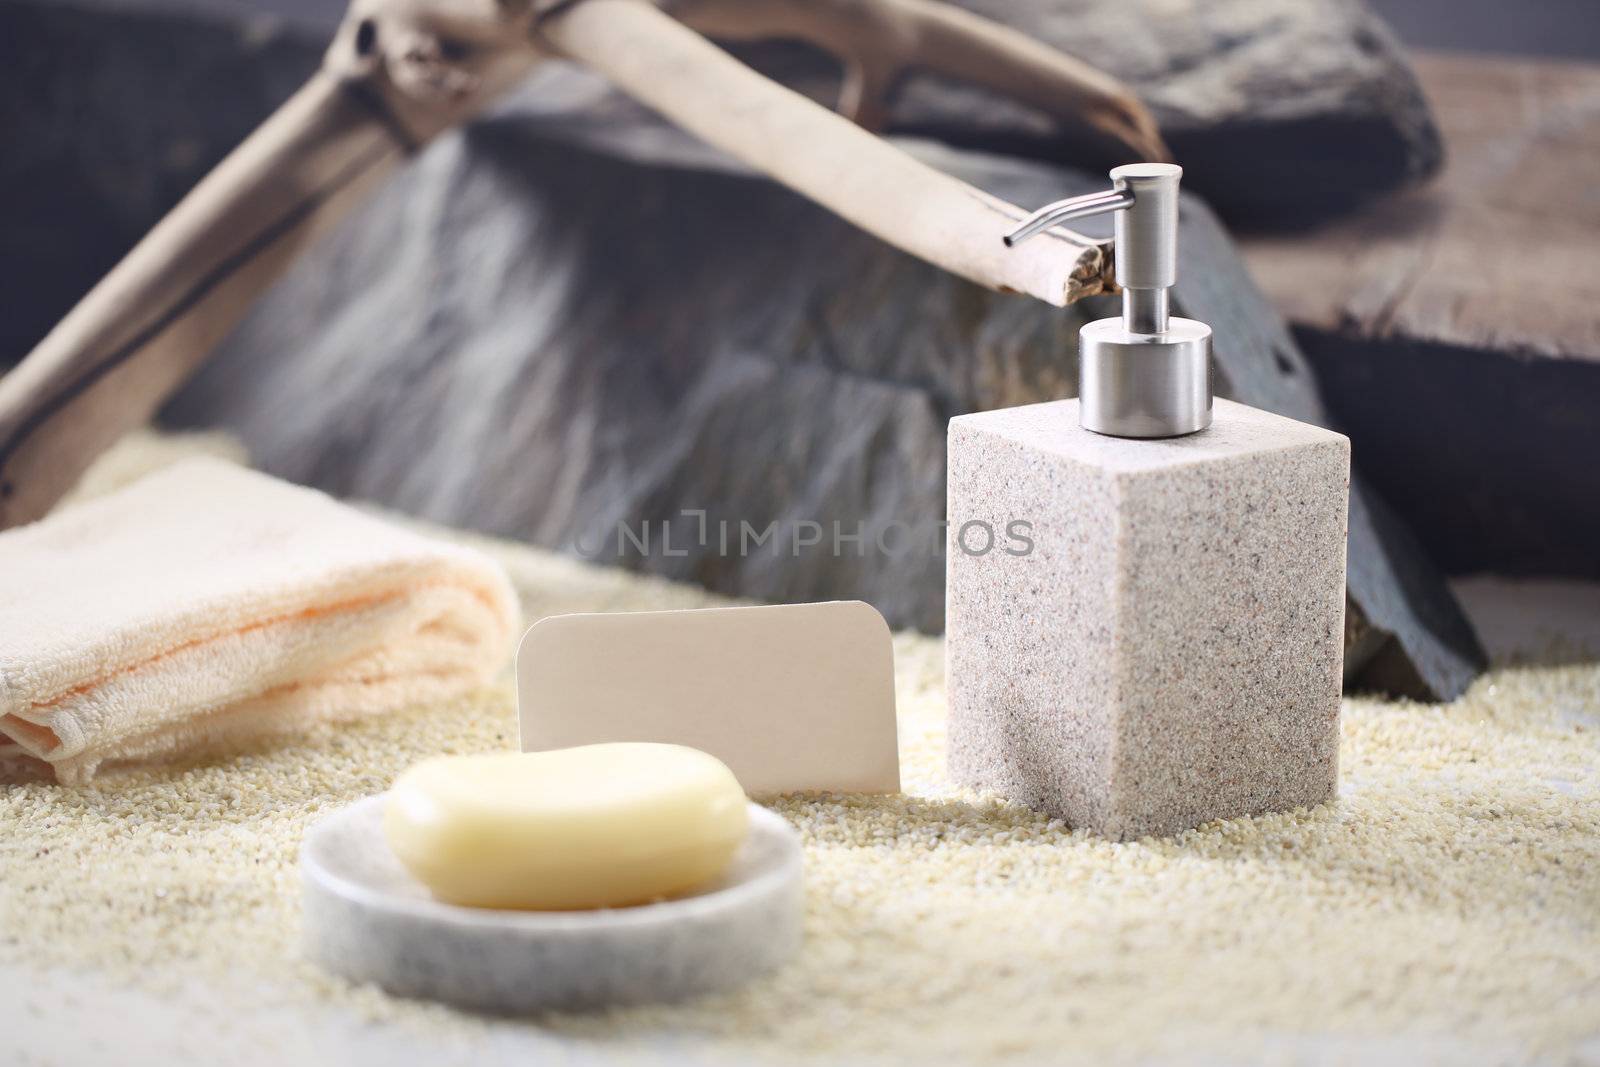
(1170, 649)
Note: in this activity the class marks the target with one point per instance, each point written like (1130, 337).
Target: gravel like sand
(1447, 907)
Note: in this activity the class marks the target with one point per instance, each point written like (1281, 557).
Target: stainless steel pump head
(1146, 374)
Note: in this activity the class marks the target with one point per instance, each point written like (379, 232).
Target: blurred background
(570, 316)
(1536, 28)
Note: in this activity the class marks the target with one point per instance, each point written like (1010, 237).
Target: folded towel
(207, 603)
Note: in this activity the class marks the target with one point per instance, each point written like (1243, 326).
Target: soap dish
(366, 918)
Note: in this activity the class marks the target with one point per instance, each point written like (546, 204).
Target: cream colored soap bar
(588, 827)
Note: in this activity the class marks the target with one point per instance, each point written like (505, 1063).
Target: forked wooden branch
(856, 175)
(399, 72)
(881, 41)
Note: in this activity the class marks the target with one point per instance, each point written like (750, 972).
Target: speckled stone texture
(366, 918)
(1170, 650)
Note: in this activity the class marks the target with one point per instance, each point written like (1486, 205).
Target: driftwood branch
(383, 91)
(817, 153)
(144, 329)
(880, 43)
(401, 71)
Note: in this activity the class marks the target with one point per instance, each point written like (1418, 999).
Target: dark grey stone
(1281, 111)
(546, 331)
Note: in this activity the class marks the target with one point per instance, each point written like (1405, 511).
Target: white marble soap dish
(367, 919)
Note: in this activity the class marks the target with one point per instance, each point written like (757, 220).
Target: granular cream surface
(1445, 909)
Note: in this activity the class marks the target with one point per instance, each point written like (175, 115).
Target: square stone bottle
(1145, 588)
(1144, 635)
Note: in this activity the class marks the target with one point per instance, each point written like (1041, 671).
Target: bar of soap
(595, 826)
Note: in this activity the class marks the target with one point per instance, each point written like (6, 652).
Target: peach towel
(208, 603)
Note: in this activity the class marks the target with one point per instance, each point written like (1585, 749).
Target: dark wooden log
(1456, 329)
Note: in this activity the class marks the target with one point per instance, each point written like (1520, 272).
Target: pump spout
(1146, 374)
(1077, 207)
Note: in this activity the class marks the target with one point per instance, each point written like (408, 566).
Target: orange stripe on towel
(354, 604)
(46, 739)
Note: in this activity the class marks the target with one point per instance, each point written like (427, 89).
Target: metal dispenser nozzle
(1146, 374)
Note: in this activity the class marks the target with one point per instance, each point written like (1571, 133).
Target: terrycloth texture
(208, 603)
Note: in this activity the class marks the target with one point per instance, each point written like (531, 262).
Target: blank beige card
(792, 697)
